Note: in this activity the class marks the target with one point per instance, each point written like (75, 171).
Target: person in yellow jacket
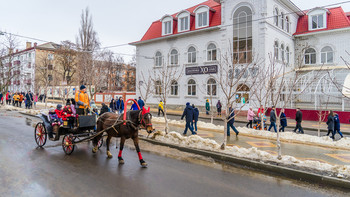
(16, 99)
(82, 98)
(160, 108)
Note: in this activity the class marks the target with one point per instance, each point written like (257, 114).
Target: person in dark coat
(218, 107)
(299, 119)
(141, 103)
(330, 123)
(231, 121)
(29, 99)
(120, 105)
(273, 119)
(283, 121)
(189, 113)
(112, 105)
(337, 125)
(104, 109)
(1, 98)
(195, 117)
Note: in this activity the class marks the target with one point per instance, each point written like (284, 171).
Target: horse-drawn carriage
(83, 130)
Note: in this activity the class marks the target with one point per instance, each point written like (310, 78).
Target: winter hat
(82, 87)
(59, 107)
(52, 110)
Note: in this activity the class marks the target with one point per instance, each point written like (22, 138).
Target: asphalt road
(29, 171)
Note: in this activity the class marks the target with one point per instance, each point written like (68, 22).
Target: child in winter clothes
(337, 125)
(59, 112)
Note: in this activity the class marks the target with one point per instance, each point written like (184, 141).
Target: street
(30, 171)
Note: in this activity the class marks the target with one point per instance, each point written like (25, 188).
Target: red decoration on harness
(144, 111)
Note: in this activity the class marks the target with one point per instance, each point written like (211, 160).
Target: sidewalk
(308, 125)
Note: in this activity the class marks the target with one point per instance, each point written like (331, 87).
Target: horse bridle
(142, 120)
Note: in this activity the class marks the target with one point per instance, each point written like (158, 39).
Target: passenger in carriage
(59, 113)
(68, 114)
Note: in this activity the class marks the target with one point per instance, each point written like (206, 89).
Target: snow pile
(195, 141)
(285, 136)
(27, 111)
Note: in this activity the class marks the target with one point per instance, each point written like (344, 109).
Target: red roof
(155, 30)
(336, 19)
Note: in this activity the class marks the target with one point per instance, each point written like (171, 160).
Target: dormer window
(202, 16)
(167, 25)
(183, 21)
(317, 18)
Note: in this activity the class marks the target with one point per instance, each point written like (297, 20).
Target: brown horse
(114, 126)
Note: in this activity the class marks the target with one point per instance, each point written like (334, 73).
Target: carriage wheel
(67, 144)
(100, 143)
(40, 134)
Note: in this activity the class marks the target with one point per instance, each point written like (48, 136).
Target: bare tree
(145, 87)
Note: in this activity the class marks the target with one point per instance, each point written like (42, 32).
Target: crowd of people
(17, 98)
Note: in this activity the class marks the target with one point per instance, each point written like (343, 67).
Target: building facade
(196, 39)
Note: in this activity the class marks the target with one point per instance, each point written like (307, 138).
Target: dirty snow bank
(27, 111)
(287, 136)
(195, 141)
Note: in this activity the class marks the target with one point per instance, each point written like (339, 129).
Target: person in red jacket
(59, 112)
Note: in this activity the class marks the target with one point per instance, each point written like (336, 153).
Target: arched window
(242, 35)
(158, 88)
(191, 87)
(275, 18)
(192, 55)
(174, 57)
(242, 94)
(287, 55)
(282, 52)
(276, 46)
(159, 59)
(327, 55)
(174, 90)
(287, 24)
(211, 52)
(282, 20)
(211, 87)
(310, 56)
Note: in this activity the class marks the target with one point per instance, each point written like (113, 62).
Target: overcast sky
(116, 21)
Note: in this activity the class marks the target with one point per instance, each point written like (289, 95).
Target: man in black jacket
(273, 119)
(298, 119)
(189, 113)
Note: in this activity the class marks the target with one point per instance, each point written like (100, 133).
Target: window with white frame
(282, 20)
(276, 51)
(174, 57)
(310, 56)
(242, 35)
(327, 55)
(167, 27)
(158, 59)
(211, 87)
(282, 52)
(174, 89)
(317, 21)
(50, 56)
(202, 19)
(158, 88)
(191, 88)
(287, 55)
(192, 55)
(184, 23)
(211, 52)
(287, 24)
(275, 18)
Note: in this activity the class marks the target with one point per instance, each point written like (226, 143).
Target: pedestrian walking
(161, 107)
(141, 103)
(299, 119)
(250, 117)
(112, 105)
(35, 99)
(16, 99)
(189, 113)
(283, 121)
(120, 105)
(29, 99)
(337, 125)
(273, 119)
(330, 123)
(218, 107)
(1, 98)
(231, 121)
(195, 118)
(207, 107)
(21, 98)
(8, 98)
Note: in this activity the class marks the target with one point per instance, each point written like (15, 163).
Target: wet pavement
(29, 171)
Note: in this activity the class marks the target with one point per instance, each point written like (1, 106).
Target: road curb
(279, 170)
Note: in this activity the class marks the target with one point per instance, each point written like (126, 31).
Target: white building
(196, 38)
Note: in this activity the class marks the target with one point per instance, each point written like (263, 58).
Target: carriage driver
(82, 98)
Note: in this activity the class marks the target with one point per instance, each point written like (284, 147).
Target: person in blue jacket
(141, 103)
(120, 105)
(337, 125)
(134, 106)
(189, 113)
(231, 121)
(283, 121)
(195, 117)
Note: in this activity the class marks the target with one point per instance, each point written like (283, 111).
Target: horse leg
(95, 143)
(136, 143)
(109, 154)
(121, 146)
